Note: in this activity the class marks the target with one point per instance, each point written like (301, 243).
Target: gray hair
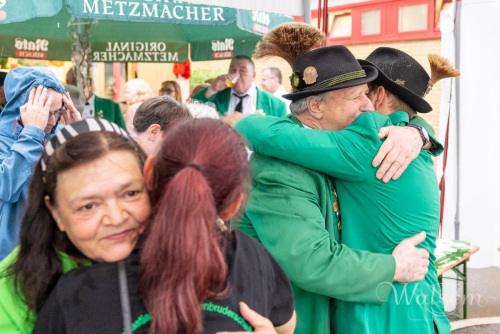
(77, 97)
(300, 106)
(202, 110)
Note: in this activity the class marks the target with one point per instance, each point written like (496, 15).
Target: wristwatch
(422, 131)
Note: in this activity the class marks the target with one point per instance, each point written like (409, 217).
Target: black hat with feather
(316, 69)
(403, 76)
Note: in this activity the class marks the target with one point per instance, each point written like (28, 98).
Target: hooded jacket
(20, 149)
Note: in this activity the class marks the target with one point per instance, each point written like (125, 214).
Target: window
(342, 25)
(412, 18)
(370, 22)
(384, 21)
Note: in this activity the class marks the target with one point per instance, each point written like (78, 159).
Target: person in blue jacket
(36, 102)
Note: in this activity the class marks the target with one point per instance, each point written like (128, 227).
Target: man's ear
(148, 172)
(314, 108)
(381, 97)
(54, 212)
(153, 131)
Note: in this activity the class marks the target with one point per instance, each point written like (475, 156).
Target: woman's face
(102, 205)
(168, 90)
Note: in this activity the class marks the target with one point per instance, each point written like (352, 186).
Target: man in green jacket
(378, 216)
(244, 98)
(294, 211)
(97, 107)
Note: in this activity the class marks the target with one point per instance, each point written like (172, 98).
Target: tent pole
(306, 7)
(79, 31)
(325, 17)
(320, 14)
(457, 92)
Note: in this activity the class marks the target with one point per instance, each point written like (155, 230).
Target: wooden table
(461, 274)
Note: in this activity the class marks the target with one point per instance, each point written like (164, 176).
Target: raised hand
(36, 111)
(70, 115)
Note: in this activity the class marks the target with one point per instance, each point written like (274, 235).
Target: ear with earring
(220, 224)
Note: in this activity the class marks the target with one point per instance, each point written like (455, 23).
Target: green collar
(399, 118)
(295, 120)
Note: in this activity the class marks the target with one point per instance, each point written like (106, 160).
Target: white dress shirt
(88, 111)
(249, 103)
(279, 94)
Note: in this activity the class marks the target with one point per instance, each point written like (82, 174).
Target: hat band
(336, 80)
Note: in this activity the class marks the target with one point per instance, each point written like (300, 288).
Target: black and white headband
(73, 130)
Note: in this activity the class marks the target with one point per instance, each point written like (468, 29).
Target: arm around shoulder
(345, 154)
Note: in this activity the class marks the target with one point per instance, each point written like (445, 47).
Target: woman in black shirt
(194, 273)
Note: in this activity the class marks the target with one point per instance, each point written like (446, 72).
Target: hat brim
(371, 75)
(413, 100)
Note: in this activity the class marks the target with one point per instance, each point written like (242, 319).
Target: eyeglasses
(57, 113)
(167, 91)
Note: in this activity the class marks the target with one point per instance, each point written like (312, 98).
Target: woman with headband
(91, 207)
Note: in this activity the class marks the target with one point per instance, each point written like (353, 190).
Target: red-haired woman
(194, 273)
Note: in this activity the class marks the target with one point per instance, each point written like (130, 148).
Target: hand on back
(401, 147)
(412, 263)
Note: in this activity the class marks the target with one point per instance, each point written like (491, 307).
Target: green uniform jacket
(290, 210)
(14, 315)
(110, 111)
(267, 102)
(375, 216)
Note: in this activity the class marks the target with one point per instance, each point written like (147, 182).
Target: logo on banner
(223, 49)
(30, 49)
(261, 21)
(173, 11)
(135, 52)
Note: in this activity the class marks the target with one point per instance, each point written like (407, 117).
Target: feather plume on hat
(440, 69)
(289, 41)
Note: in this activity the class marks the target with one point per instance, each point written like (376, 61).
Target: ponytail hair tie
(194, 166)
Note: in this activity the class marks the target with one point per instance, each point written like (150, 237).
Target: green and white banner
(131, 31)
(259, 22)
(151, 11)
(223, 48)
(150, 52)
